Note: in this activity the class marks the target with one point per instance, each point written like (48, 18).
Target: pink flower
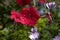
(42, 1)
(49, 16)
(29, 16)
(15, 15)
(23, 2)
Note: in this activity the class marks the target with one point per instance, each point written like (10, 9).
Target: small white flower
(34, 34)
(51, 5)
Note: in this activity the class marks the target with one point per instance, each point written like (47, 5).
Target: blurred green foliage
(10, 30)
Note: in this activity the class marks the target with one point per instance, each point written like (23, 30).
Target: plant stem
(34, 1)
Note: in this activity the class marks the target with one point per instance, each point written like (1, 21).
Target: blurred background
(10, 30)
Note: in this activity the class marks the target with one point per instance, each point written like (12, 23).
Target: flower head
(51, 5)
(29, 16)
(56, 38)
(34, 34)
(23, 2)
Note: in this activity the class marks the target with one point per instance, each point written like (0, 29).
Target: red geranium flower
(29, 16)
(49, 16)
(15, 15)
(23, 2)
(42, 1)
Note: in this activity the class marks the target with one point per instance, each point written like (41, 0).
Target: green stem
(34, 1)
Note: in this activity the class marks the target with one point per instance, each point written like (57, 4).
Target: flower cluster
(28, 16)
